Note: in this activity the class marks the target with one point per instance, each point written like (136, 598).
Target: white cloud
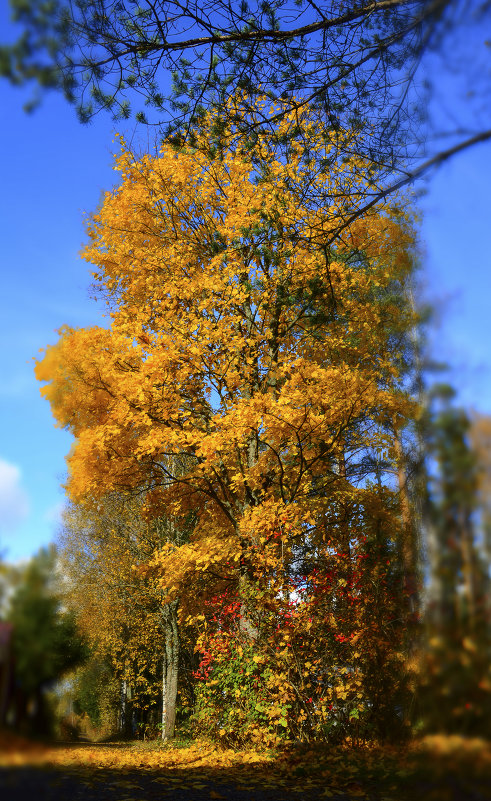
(14, 503)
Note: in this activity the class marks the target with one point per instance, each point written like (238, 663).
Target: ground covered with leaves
(436, 768)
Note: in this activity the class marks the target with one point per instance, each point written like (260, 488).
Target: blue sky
(53, 172)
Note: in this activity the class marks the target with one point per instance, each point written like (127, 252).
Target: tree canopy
(169, 62)
(238, 336)
(337, 54)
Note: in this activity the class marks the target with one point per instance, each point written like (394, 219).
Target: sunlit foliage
(254, 377)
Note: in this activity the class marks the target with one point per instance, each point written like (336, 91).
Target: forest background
(347, 715)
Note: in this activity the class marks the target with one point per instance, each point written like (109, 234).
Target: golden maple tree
(251, 374)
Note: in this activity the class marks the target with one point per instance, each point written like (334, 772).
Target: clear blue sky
(53, 171)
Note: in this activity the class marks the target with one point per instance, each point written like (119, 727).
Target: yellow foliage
(243, 338)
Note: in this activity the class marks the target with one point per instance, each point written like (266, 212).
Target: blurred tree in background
(46, 642)
(455, 694)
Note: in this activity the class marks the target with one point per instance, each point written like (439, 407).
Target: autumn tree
(121, 610)
(250, 345)
(93, 695)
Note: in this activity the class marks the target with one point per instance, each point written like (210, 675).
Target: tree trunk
(123, 718)
(345, 544)
(170, 669)
(406, 545)
(246, 626)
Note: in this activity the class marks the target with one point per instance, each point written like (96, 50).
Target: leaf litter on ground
(437, 768)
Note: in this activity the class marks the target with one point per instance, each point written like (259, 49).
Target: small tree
(120, 607)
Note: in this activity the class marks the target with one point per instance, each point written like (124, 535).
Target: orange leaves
(306, 770)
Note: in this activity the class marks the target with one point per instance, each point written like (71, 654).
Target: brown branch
(265, 35)
(411, 176)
